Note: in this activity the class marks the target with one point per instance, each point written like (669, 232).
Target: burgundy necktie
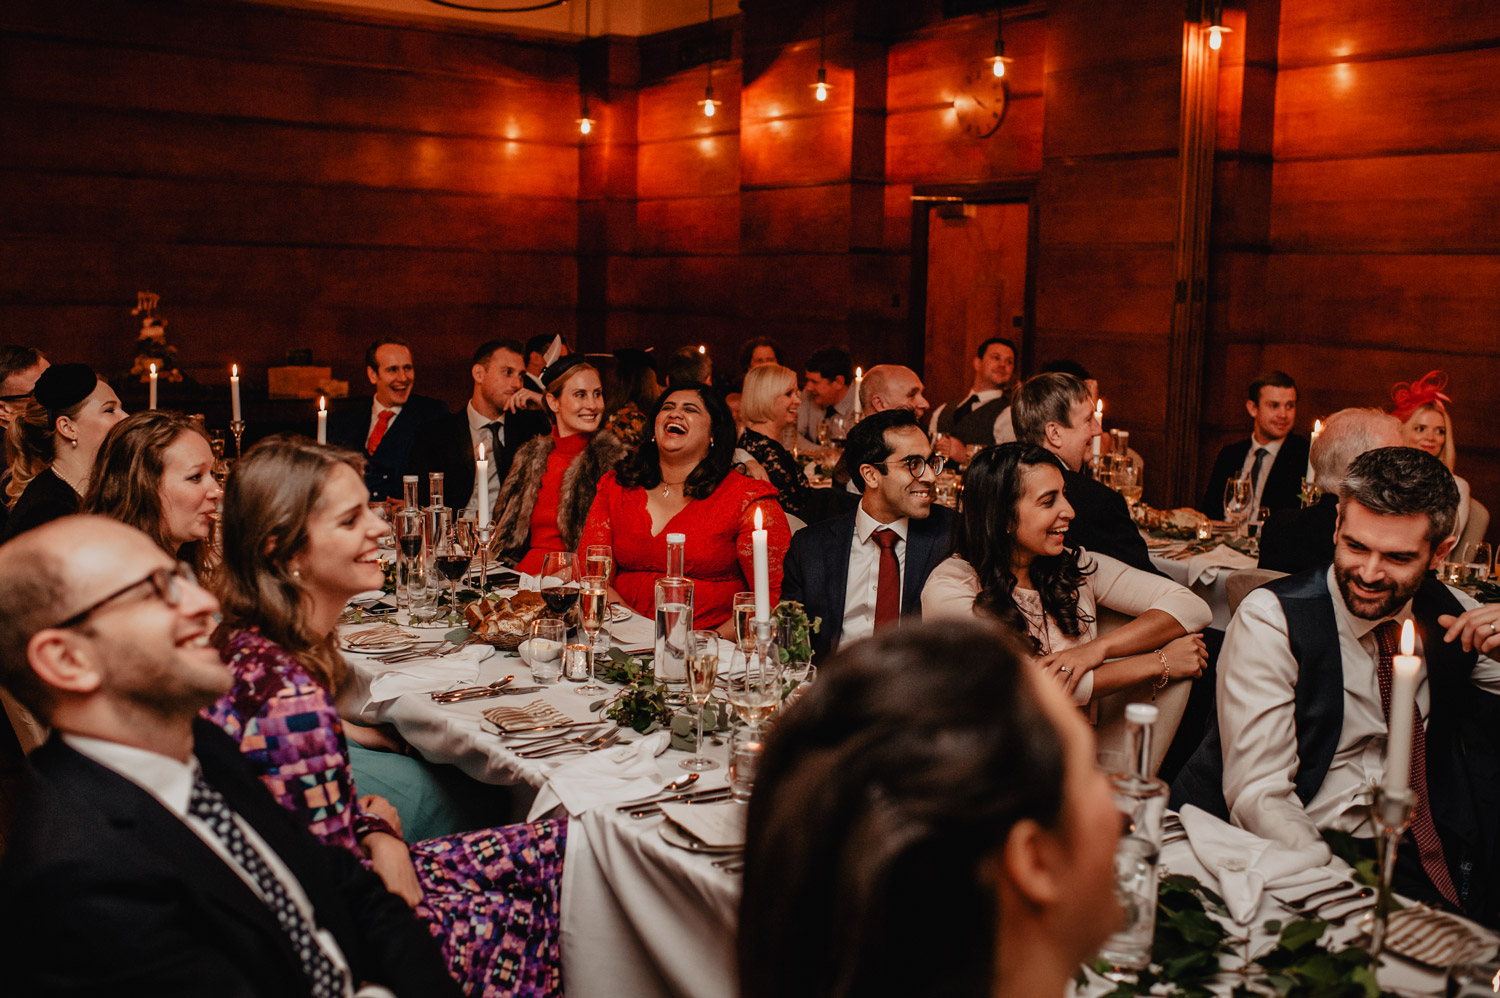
(1423, 830)
(378, 434)
(888, 582)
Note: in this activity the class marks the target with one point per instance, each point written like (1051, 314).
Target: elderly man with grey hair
(1304, 694)
(892, 386)
(1297, 539)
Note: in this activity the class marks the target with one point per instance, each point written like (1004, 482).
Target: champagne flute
(744, 622)
(702, 670)
(593, 600)
(451, 560)
(599, 559)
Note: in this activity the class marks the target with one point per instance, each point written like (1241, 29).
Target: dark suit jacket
(1294, 540)
(1283, 486)
(350, 427)
(816, 571)
(1102, 523)
(108, 893)
(446, 445)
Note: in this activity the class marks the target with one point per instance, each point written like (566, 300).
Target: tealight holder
(1310, 493)
(1390, 813)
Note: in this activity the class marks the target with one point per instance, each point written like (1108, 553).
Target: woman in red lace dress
(680, 482)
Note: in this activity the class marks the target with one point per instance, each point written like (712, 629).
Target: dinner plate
(380, 639)
(674, 836)
(1435, 938)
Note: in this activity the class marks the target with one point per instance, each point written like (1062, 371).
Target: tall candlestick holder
(1310, 493)
(483, 534)
(1390, 813)
(237, 427)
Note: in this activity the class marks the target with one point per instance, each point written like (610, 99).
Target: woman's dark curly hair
(884, 792)
(644, 469)
(985, 537)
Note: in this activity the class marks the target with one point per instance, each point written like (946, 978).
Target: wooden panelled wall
(289, 177)
(282, 178)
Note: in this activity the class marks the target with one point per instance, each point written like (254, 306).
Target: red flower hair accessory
(1427, 390)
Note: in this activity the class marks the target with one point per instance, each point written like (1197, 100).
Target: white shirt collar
(1358, 626)
(989, 395)
(1272, 449)
(865, 525)
(476, 421)
(379, 408)
(161, 776)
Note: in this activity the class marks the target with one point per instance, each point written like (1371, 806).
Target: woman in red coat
(680, 482)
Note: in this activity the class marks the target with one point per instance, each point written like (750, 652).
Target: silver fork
(604, 741)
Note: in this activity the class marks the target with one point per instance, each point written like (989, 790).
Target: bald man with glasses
(141, 832)
(866, 569)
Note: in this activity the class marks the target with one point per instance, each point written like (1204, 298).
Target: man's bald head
(50, 573)
(892, 386)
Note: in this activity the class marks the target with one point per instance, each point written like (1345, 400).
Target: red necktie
(888, 582)
(1423, 830)
(378, 434)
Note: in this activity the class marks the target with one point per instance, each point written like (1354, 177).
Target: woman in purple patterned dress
(299, 540)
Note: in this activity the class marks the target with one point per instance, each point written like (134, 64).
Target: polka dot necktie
(325, 979)
(1423, 830)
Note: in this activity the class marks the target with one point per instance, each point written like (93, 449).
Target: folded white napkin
(718, 825)
(1246, 865)
(1204, 567)
(634, 632)
(427, 674)
(609, 776)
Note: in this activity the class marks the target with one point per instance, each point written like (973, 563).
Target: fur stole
(518, 494)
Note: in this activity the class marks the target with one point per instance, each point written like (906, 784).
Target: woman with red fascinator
(1422, 408)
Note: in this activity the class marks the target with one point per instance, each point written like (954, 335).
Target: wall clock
(981, 104)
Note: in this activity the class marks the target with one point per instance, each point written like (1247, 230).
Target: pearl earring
(297, 573)
(74, 442)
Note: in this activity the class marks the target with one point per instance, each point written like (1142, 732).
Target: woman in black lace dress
(768, 407)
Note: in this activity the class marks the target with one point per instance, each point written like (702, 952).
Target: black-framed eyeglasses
(11, 399)
(917, 465)
(166, 581)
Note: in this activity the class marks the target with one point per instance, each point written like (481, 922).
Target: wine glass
(702, 670)
(599, 559)
(755, 695)
(593, 602)
(558, 568)
(824, 433)
(1239, 494)
(1479, 556)
(451, 559)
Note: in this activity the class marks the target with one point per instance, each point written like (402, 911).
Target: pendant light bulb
(821, 88)
(1216, 33)
(999, 60)
(585, 126)
(709, 105)
(999, 68)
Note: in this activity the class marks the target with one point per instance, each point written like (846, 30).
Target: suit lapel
(170, 851)
(918, 550)
(838, 577)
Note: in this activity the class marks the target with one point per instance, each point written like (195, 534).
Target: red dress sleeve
(599, 527)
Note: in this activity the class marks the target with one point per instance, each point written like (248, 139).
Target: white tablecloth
(1204, 575)
(642, 918)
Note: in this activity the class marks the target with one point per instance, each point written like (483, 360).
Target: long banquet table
(641, 917)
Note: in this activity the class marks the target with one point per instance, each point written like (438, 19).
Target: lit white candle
(702, 349)
(234, 392)
(322, 419)
(1096, 444)
(758, 543)
(1099, 415)
(1317, 429)
(482, 476)
(152, 403)
(859, 379)
(1404, 668)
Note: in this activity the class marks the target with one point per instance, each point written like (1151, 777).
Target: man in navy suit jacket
(384, 429)
(1274, 456)
(101, 634)
(833, 568)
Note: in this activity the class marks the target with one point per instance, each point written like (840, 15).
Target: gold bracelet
(1166, 674)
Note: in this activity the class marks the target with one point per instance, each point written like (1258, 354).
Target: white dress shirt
(864, 574)
(1272, 449)
(1257, 677)
(1003, 431)
(171, 783)
(479, 435)
(953, 587)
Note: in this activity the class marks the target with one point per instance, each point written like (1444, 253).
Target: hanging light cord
(546, 5)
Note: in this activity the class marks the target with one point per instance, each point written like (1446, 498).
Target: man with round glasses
(141, 830)
(866, 568)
